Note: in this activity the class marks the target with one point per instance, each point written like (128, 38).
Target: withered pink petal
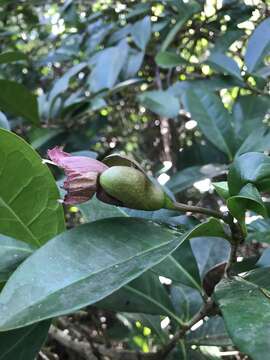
(82, 175)
(73, 199)
(74, 165)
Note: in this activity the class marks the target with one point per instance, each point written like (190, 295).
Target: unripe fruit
(132, 188)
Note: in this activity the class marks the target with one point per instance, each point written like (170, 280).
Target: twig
(232, 259)
(199, 210)
(206, 308)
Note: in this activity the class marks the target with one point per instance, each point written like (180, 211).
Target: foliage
(183, 88)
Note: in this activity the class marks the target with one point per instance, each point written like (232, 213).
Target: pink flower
(82, 175)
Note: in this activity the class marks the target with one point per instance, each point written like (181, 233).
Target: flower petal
(82, 175)
(74, 165)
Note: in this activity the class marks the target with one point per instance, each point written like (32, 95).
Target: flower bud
(132, 188)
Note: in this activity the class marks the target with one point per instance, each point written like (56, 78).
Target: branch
(84, 349)
(81, 348)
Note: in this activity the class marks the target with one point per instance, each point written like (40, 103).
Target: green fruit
(132, 187)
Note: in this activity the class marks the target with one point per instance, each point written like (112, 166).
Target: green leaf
(168, 60)
(185, 12)
(211, 84)
(211, 333)
(213, 119)
(185, 178)
(138, 9)
(258, 140)
(259, 277)
(258, 46)
(94, 209)
(110, 60)
(4, 124)
(224, 64)
(11, 56)
(248, 198)
(41, 136)
(160, 102)
(181, 267)
(264, 260)
(143, 295)
(224, 41)
(252, 167)
(18, 101)
(222, 189)
(212, 248)
(65, 274)
(246, 311)
(61, 84)
(29, 208)
(259, 230)
(24, 343)
(187, 301)
(141, 32)
(12, 253)
(133, 63)
(248, 114)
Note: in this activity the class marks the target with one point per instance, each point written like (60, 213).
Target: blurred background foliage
(180, 85)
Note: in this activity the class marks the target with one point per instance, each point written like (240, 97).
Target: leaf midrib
(19, 220)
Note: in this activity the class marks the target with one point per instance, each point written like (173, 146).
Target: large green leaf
(11, 56)
(224, 64)
(66, 273)
(12, 253)
(181, 266)
(252, 167)
(24, 343)
(29, 208)
(212, 117)
(18, 101)
(160, 102)
(258, 140)
(109, 60)
(61, 84)
(141, 32)
(245, 307)
(258, 46)
(248, 114)
(248, 198)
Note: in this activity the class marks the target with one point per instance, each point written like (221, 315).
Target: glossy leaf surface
(65, 274)
(29, 207)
